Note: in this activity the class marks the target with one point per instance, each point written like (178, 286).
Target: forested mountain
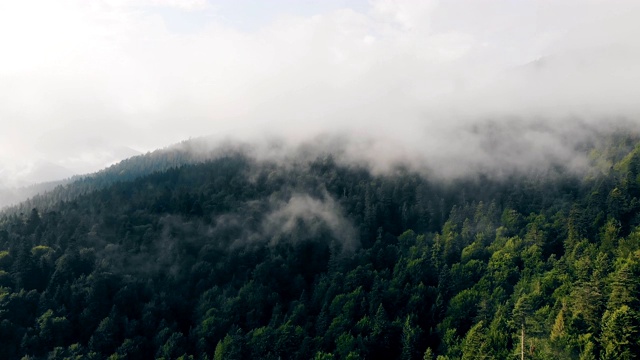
(235, 257)
(48, 194)
(15, 195)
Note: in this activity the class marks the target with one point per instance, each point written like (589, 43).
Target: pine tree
(474, 343)
(620, 335)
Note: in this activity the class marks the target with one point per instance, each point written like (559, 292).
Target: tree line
(214, 260)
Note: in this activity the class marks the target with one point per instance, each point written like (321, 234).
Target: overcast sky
(83, 80)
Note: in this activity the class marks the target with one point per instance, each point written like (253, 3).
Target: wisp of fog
(451, 86)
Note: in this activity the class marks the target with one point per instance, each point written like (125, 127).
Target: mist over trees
(383, 179)
(235, 256)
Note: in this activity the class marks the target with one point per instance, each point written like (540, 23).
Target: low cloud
(176, 240)
(304, 218)
(422, 82)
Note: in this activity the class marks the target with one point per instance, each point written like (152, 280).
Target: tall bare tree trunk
(522, 343)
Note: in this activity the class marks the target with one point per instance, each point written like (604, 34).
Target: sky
(85, 83)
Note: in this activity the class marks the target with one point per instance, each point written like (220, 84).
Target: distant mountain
(28, 180)
(14, 195)
(20, 184)
(40, 177)
(588, 81)
(43, 171)
(187, 152)
(32, 173)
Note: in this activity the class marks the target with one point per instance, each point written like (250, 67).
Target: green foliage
(235, 258)
(40, 250)
(620, 335)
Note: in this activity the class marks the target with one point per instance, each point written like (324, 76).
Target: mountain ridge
(239, 257)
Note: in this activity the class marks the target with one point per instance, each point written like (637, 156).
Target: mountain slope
(47, 194)
(239, 258)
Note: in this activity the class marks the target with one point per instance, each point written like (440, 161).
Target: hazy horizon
(85, 84)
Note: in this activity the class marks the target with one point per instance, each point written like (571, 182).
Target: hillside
(45, 195)
(235, 257)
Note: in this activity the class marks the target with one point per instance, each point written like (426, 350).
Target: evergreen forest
(235, 257)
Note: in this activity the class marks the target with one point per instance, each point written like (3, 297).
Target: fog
(298, 218)
(304, 216)
(445, 85)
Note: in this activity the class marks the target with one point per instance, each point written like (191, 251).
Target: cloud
(408, 15)
(304, 218)
(410, 79)
(295, 219)
(188, 5)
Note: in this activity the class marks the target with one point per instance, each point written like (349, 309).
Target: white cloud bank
(79, 78)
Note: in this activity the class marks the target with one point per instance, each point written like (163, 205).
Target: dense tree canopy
(235, 258)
